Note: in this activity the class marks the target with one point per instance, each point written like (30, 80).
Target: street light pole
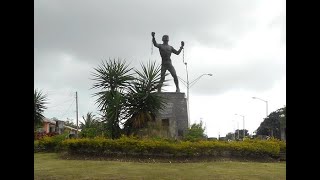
(234, 130)
(189, 85)
(238, 131)
(266, 104)
(188, 104)
(266, 109)
(244, 134)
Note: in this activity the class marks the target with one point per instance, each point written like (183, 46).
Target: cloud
(103, 29)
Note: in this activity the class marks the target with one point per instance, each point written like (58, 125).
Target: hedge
(49, 143)
(149, 147)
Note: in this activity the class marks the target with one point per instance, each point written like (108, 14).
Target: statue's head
(165, 38)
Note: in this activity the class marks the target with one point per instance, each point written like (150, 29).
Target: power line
(61, 103)
(62, 116)
(68, 93)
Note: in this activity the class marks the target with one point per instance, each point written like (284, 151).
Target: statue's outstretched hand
(182, 43)
(152, 34)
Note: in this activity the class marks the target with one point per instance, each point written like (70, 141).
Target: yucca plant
(143, 102)
(113, 78)
(40, 101)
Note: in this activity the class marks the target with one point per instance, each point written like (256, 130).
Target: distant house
(71, 130)
(50, 125)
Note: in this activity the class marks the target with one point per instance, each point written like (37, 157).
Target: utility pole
(77, 112)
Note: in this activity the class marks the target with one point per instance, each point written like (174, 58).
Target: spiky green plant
(143, 102)
(113, 78)
(40, 101)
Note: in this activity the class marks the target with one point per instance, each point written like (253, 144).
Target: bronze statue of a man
(165, 52)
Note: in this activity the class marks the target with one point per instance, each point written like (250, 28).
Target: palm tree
(113, 78)
(39, 106)
(143, 102)
(89, 121)
(91, 127)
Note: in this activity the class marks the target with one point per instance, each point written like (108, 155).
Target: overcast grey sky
(242, 43)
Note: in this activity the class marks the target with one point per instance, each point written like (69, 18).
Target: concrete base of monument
(174, 116)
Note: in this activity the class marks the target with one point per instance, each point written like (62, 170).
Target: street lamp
(266, 109)
(265, 102)
(189, 85)
(234, 129)
(238, 130)
(243, 124)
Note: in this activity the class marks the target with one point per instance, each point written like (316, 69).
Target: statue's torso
(165, 52)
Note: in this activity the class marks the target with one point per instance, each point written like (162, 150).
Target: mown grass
(50, 166)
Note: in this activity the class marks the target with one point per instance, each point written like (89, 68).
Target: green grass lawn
(49, 166)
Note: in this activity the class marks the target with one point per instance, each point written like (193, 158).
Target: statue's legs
(175, 77)
(163, 72)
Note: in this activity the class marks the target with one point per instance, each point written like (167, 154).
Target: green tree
(196, 132)
(283, 117)
(91, 127)
(113, 78)
(239, 133)
(230, 135)
(40, 101)
(271, 125)
(89, 121)
(143, 102)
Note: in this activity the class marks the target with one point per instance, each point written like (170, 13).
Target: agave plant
(113, 78)
(143, 102)
(40, 100)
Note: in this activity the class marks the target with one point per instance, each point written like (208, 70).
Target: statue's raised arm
(154, 40)
(178, 52)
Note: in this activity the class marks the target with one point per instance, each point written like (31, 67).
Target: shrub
(100, 146)
(89, 133)
(161, 147)
(39, 135)
(196, 132)
(36, 147)
(49, 143)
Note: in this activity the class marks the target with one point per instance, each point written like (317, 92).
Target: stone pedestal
(175, 114)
